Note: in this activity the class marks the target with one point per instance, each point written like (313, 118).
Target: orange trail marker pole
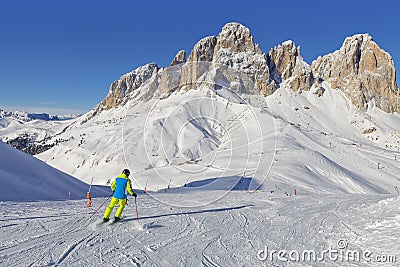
(89, 204)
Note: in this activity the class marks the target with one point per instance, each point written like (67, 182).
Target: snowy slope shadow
(25, 178)
(189, 212)
(221, 183)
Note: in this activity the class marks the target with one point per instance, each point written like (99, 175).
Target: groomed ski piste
(241, 229)
(291, 181)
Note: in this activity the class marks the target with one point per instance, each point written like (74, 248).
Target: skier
(119, 186)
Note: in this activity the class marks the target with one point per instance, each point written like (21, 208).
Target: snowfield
(12, 128)
(285, 141)
(240, 229)
(25, 178)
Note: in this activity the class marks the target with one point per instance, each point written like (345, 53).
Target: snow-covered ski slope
(25, 178)
(214, 138)
(241, 229)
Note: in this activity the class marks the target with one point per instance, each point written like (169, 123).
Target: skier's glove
(134, 194)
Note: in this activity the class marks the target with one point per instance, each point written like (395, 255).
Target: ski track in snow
(229, 232)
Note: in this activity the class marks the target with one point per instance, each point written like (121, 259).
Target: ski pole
(137, 214)
(100, 206)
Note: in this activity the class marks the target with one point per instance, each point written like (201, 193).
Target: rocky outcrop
(363, 71)
(286, 63)
(179, 58)
(237, 39)
(27, 144)
(236, 48)
(126, 84)
(236, 59)
(203, 50)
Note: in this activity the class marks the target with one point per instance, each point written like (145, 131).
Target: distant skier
(119, 186)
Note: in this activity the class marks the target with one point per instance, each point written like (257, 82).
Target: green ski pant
(113, 203)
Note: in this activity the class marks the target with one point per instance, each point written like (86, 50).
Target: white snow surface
(19, 124)
(36, 130)
(241, 229)
(229, 180)
(283, 142)
(25, 178)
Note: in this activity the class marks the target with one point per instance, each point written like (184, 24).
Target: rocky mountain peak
(356, 41)
(203, 50)
(286, 63)
(360, 68)
(237, 38)
(126, 84)
(236, 48)
(234, 38)
(363, 71)
(179, 58)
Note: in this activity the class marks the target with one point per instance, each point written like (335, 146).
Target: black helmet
(126, 172)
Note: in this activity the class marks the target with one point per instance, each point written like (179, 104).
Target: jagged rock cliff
(363, 71)
(179, 58)
(203, 50)
(236, 48)
(126, 84)
(286, 63)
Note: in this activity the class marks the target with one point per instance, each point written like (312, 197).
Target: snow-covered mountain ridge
(29, 131)
(231, 117)
(230, 114)
(360, 68)
(215, 139)
(22, 116)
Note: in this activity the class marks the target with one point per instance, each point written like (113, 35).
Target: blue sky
(62, 56)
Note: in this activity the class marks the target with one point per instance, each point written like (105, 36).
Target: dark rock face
(26, 144)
